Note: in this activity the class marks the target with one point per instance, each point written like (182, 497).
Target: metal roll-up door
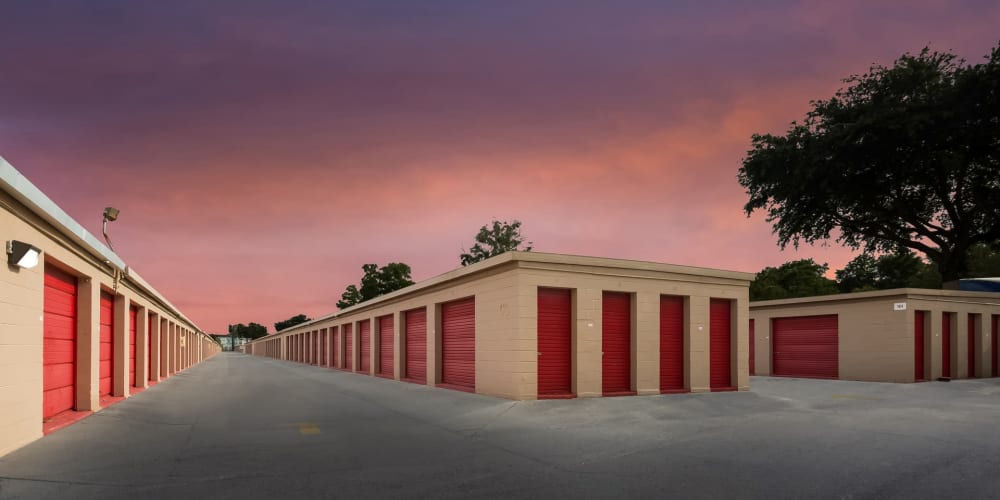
(995, 347)
(107, 343)
(385, 345)
(133, 318)
(720, 340)
(59, 317)
(324, 348)
(416, 345)
(335, 347)
(806, 346)
(616, 344)
(971, 345)
(348, 346)
(365, 347)
(918, 346)
(458, 344)
(753, 349)
(555, 341)
(149, 346)
(946, 344)
(671, 344)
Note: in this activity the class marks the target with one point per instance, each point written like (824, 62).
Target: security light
(110, 215)
(22, 254)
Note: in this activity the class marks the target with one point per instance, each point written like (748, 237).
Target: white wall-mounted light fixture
(21, 254)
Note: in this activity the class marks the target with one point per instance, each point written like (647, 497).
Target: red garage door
(348, 335)
(971, 345)
(555, 339)
(918, 346)
(753, 348)
(671, 344)
(149, 345)
(458, 344)
(946, 344)
(58, 342)
(416, 345)
(806, 346)
(385, 327)
(616, 343)
(365, 346)
(107, 342)
(133, 318)
(996, 345)
(324, 348)
(720, 345)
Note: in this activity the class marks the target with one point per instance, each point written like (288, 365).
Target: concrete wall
(877, 331)
(21, 310)
(506, 290)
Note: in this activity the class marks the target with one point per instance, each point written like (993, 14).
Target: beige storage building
(80, 330)
(528, 325)
(901, 335)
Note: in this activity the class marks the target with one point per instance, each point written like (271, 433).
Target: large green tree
(250, 331)
(290, 322)
(495, 239)
(376, 281)
(905, 157)
(894, 270)
(798, 278)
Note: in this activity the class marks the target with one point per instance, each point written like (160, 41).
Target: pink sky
(259, 157)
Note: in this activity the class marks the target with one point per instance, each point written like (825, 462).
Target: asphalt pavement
(243, 427)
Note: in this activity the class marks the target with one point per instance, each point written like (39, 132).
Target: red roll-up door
(416, 345)
(335, 347)
(149, 346)
(107, 342)
(946, 344)
(971, 345)
(555, 340)
(133, 318)
(753, 349)
(324, 348)
(671, 344)
(365, 342)
(348, 346)
(996, 345)
(806, 346)
(616, 343)
(385, 344)
(58, 342)
(458, 344)
(918, 346)
(720, 340)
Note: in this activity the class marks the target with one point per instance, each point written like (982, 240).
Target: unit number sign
(899, 306)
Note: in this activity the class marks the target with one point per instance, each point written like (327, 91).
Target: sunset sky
(262, 151)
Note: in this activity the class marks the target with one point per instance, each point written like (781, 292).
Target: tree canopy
(499, 237)
(798, 278)
(906, 157)
(895, 270)
(290, 322)
(250, 331)
(376, 281)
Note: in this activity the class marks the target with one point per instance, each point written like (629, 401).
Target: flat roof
(915, 293)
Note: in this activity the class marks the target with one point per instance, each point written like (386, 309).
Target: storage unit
(336, 348)
(415, 333)
(805, 346)
(616, 341)
(672, 344)
(753, 354)
(107, 343)
(133, 322)
(385, 346)
(532, 325)
(348, 346)
(900, 335)
(555, 343)
(59, 323)
(995, 349)
(365, 346)
(458, 344)
(721, 345)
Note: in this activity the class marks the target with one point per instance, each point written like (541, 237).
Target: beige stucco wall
(877, 341)
(21, 307)
(505, 292)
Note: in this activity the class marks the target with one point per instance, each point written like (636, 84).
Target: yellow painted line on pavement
(306, 428)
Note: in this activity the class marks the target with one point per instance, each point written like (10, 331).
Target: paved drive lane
(248, 428)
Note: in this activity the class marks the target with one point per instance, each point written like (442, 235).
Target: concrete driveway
(244, 427)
